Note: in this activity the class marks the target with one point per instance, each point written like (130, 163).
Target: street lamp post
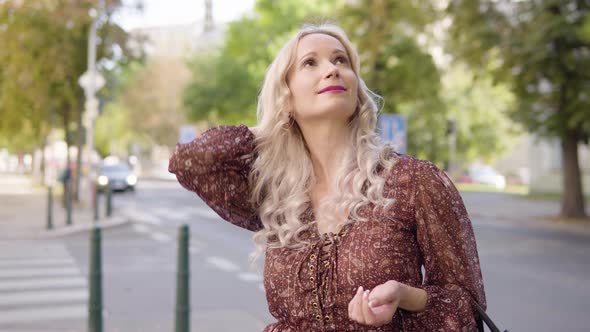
(91, 81)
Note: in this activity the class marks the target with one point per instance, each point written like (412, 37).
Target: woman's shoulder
(403, 167)
(397, 162)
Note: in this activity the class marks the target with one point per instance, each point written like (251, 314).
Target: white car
(487, 175)
(117, 176)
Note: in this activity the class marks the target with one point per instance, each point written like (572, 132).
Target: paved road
(535, 277)
(140, 263)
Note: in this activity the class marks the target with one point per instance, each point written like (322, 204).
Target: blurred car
(119, 176)
(486, 175)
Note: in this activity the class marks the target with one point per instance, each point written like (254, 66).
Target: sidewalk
(23, 212)
(42, 285)
(511, 209)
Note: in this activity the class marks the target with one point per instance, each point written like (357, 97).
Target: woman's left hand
(376, 307)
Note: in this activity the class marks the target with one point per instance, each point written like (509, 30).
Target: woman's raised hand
(254, 130)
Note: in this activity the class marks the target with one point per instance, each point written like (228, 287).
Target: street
(534, 276)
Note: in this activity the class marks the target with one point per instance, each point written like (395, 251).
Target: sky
(172, 12)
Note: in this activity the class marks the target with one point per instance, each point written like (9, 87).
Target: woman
(345, 222)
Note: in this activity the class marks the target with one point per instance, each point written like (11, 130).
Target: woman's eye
(308, 62)
(341, 59)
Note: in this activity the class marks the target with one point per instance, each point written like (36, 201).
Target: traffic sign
(85, 81)
(187, 134)
(393, 129)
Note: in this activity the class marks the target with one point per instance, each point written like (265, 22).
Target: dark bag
(486, 319)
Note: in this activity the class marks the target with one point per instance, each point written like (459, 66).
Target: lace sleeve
(215, 166)
(453, 280)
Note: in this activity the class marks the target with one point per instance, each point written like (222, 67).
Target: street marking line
(139, 216)
(249, 276)
(168, 213)
(10, 285)
(205, 212)
(141, 228)
(22, 250)
(43, 297)
(222, 264)
(161, 237)
(36, 262)
(39, 272)
(11, 316)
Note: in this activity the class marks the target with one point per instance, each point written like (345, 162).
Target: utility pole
(208, 16)
(91, 81)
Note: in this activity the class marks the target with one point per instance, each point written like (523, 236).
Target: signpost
(187, 133)
(393, 129)
(91, 81)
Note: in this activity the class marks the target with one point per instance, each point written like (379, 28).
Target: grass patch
(554, 197)
(475, 187)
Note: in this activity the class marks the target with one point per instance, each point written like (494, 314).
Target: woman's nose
(331, 70)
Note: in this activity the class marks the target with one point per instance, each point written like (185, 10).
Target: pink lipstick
(333, 89)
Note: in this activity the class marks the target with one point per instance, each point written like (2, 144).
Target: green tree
(154, 95)
(43, 54)
(542, 50)
(480, 109)
(401, 70)
(392, 39)
(225, 83)
(221, 89)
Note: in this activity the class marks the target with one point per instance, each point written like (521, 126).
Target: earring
(289, 123)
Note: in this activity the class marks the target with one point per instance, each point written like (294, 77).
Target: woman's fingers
(357, 308)
(353, 306)
(368, 315)
(384, 296)
(374, 307)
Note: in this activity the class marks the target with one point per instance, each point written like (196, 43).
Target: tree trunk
(572, 198)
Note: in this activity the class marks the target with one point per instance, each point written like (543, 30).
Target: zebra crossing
(40, 285)
(160, 215)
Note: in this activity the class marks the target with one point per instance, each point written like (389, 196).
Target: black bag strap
(487, 319)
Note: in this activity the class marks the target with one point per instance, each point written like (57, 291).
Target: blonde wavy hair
(282, 173)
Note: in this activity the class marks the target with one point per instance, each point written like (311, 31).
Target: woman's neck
(328, 144)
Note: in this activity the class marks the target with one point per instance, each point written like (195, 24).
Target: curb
(114, 221)
(138, 217)
(541, 223)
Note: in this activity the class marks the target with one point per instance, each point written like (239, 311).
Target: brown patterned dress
(309, 290)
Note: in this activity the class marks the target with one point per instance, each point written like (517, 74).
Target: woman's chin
(332, 114)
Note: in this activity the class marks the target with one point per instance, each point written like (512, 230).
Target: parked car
(119, 176)
(484, 174)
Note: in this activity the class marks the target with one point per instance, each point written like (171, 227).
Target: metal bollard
(95, 201)
(49, 207)
(109, 201)
(95, 282)
(183, 311)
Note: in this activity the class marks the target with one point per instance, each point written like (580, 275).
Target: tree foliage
(539, 47)
(225, 84)
(401, 70)
(43, 53)
(480, 110)
(392, 39)
(542, 50)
